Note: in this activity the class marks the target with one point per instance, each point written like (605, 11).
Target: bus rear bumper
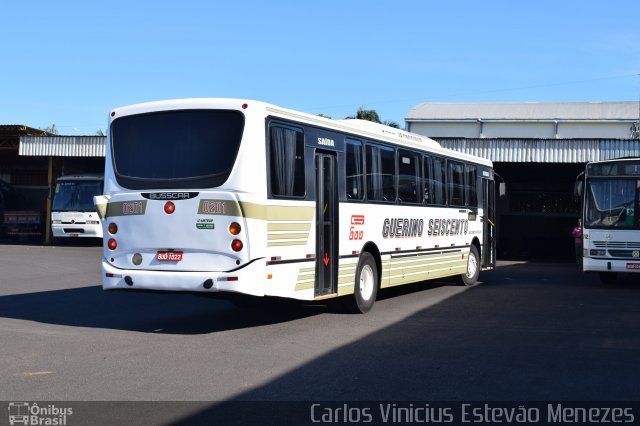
(244, 280)
(605, 265)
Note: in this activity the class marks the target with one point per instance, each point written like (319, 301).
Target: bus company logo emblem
(636, 254)
(132, 207)
(356, 233)
(357, 219)
(326, 142)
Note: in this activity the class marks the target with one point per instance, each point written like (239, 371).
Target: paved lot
(528, 332)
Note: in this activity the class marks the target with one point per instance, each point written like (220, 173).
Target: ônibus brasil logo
(27, 413)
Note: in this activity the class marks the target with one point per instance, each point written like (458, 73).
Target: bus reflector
(269, 276)
(236, 245)
(228, 279)
(112, 244)
(245, 106)
(108, 275)
(235, 228)
(169, 207)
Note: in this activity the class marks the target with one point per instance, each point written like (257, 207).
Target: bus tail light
(113, 228)
(236, 245)
(169, 207)
(235, 228)
(112, 244)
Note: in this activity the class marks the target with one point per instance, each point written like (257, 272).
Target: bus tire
(607, 277)
(473, 268)
(366, 285)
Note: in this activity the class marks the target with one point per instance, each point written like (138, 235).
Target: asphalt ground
(527, 332)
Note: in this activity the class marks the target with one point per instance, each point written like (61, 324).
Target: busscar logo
(169, 195)
(26, 413)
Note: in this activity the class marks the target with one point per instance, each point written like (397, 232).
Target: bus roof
(363, 128)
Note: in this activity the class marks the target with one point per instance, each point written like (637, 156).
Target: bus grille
(616, 244)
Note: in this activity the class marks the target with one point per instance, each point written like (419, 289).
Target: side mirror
(578, 188)
(502, 189)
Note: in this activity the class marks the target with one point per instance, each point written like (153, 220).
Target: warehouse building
(30, 162)
(538, 149)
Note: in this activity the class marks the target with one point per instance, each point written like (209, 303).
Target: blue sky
(70, 62)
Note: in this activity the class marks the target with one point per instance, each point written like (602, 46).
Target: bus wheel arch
(367, 280)
(470, 276)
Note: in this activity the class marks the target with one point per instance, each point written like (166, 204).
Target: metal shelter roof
(528, 111)
(544, 150)
(63, 146)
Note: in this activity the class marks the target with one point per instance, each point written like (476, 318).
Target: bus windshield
(176, 149)
(76, 196)
(611, 203)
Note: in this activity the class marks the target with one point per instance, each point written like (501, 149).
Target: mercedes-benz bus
(73, 213)
(611, 229)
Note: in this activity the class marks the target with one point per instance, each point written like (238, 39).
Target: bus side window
(439, 194)
(427, 180)
(381, 173)
(354, 170)
(471, 185)
(455, 183)
(286, 146)
(409, 190)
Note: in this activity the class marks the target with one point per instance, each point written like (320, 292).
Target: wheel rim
(472, 265)
(366, 282)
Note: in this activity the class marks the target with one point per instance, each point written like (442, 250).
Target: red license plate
(633, 265)
(169, 256)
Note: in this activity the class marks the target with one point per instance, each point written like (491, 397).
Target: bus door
(489, 223)
(326, 224)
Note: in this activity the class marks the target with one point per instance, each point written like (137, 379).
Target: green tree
(372, 115)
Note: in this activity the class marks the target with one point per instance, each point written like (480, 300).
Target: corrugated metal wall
(544, 150)
(63, 146)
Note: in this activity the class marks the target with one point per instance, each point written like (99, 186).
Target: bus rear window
(176, 149)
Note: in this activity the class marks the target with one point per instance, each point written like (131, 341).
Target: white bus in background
(225, 195)
(73, 213)
(611, 228)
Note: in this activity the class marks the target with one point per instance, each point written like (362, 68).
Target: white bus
(224, 195)
(611, 229)
(73, 213)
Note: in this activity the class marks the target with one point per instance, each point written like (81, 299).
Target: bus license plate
(169, 256)
(633, 265)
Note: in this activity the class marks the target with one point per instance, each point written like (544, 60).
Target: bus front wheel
(473, 268)
(366, 285)
(607, 277)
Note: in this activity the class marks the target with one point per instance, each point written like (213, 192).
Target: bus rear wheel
(473, 268)
(366, 285)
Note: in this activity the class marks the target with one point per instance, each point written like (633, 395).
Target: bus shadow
(175, 313)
